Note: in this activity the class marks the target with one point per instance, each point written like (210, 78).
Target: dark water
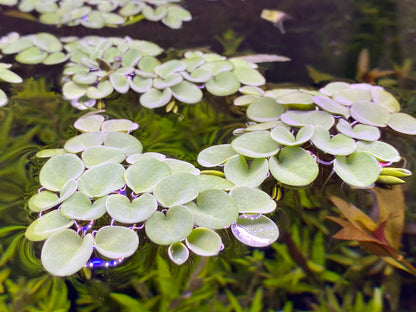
(326, 35)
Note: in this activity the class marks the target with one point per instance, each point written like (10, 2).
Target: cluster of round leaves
(97, 66)
(101, 189)
(131, 69)
(100, 13)
(294, 130)
(8, 76)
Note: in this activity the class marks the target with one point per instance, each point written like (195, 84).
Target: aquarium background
(305, 270)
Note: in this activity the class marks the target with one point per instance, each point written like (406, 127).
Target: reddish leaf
(391, 208)
(354, 215)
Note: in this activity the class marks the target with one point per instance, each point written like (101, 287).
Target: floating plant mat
(293, 128)
(103, 174)
(96, 67)
(99, 14)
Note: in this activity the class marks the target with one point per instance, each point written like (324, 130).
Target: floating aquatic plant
(100, 13)
(102, 71)
(8, 76)
(100, 192)
(97, 66)
(294, 131)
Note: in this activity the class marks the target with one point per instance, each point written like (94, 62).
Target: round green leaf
(255, 232)
(333, 87)
(218, 66)
(128, 144)
(304, 118)
(172, 21)
(385, 99)
(199, 75)
(257, 144)
(101, 180)
(171, 80)
(116, 241)
(380, 150)
(154, 14)
(249, 76)
(68, 189)
(9, 76)
(297, 100)
(122, 125)
(283, 136)
(55, 58)
(331, 106)
(103, 89)
(187, 92)
(215, 155)
(294, 166)
(140, 84)
(65, 253)
(132, 159)
(177, 166)
(225, 83)
(370, 113)
(50, 223)
(204, 242)
(171, 228)
(214, 209)
(47, 153)
(264, 109)
(179, 13)
(101, 154)
(79, 207)
(84, 141)
(178, 253)
(251, 90)
(130, 58)
(122, 210)
(208, 181)
(252, 200)
(58, 170)
(112, 18)
(238, 171)
(131, 8)
(43, 200)
(18, 45)
(359, 169)
(403, 123)
(84, 78)
(169, 67)
(32, 55)
(148, 63)
(94, 20)
(72, 91)
(193, 61)
(176, 189)
(47, 42)
(143, 175)
(361, 132)
(120, 82)
(153, 98)
(352, 95)
(337, 145)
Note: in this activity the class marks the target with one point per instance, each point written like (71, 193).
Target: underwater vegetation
(138, 181)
